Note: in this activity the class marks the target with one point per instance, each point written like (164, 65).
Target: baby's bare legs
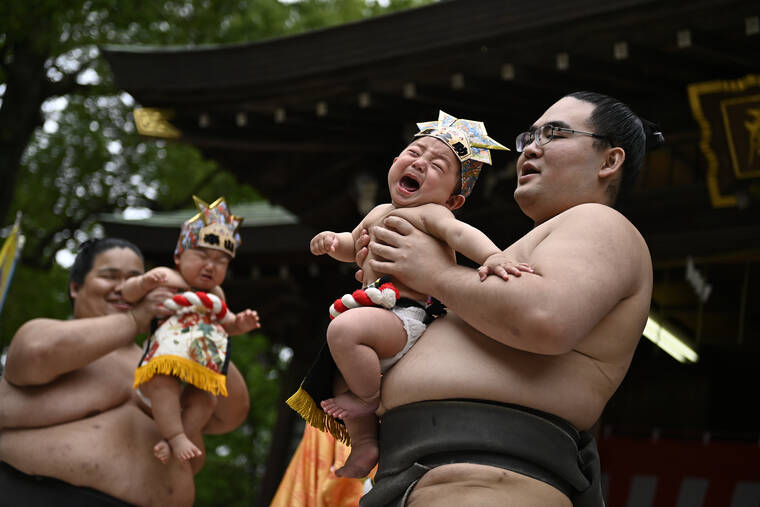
(358, 339)
(197, 407)
(364, 452)
(164, 393)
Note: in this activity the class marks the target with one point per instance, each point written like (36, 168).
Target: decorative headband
(469, 142)
(213, 227)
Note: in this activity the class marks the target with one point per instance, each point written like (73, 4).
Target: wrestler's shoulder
(599, 215)
(593, 209)
(39, 324)
(32, 336)
(598, 224)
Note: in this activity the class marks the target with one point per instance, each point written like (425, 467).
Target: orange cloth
(309, 482)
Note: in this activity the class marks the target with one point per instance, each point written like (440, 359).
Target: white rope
(195, 304)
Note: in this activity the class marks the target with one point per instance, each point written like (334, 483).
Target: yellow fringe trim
(303, 403)
(184, 369)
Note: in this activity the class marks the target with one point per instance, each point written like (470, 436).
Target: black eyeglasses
(544, 134)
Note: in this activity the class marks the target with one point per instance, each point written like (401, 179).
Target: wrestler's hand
(499, 265)
(324, 242)
(401, 250)
(361, 249)
(150, 307)
(245, 321)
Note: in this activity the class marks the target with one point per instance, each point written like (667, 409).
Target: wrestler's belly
(467, 484)
(110, 452)
(451, 360)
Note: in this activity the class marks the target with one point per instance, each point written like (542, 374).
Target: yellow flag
(8, 255)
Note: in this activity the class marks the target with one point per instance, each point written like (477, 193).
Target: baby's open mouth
(409, 184)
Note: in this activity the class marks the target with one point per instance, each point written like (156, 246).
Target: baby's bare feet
(349, 405)
(162, 451)
(183, 449)
(361, 460)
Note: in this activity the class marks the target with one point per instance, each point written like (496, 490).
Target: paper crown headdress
(469, 142)
(213, 227)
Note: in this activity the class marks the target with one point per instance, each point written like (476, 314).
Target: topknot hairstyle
(622, 128)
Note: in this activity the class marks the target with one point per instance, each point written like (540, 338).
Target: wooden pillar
(306, 334)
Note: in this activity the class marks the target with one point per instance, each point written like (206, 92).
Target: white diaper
(413, 318)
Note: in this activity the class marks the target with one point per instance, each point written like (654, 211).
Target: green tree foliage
(68, 146)
(66, 131)
(69, 151)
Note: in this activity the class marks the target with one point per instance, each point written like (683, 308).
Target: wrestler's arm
(583, 268)
(231, 410)
(44, 349)
(440, 222)
(93, 389)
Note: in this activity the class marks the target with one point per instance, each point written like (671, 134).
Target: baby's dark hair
(87, 253)
(622, 128)
(458, 187)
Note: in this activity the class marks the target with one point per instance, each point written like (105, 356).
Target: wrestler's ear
(73, 290)
(612, 162)
(455, 202)
(176, 259)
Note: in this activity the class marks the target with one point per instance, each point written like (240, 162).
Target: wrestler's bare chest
(452, 360)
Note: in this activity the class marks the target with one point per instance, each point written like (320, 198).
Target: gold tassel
(303, 403)
(184, 369)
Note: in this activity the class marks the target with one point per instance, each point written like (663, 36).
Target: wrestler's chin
(521, 194)
(118, 307)
(527, 200)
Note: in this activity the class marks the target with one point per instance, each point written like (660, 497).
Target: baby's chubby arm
(237, 323)
(340, 245)
(242, 322)
(440, 222)
(135, 288)
(502, 266)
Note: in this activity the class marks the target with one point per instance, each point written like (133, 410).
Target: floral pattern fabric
(189, 345)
